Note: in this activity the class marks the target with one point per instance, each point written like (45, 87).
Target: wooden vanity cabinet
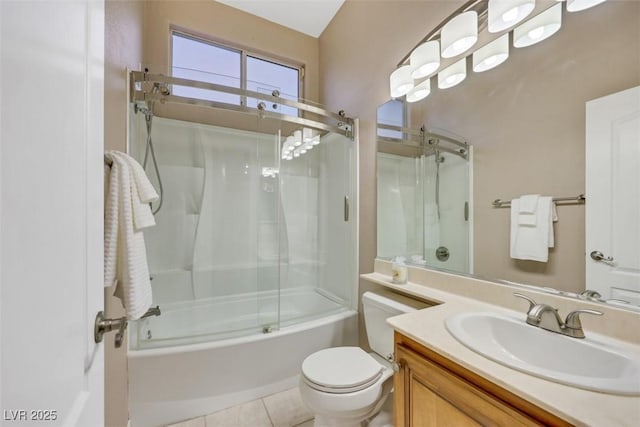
(431, 390)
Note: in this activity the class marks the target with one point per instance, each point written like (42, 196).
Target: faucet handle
(573, 319)
(532, 303)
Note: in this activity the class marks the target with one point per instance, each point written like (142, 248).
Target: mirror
(422, 193)
(526, 122)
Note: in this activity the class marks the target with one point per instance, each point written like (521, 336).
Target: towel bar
(579, 199)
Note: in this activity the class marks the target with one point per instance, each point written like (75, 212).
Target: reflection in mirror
(527, 120)
(423, 194)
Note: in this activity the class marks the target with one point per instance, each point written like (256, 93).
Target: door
(613, 195)
(51, 197)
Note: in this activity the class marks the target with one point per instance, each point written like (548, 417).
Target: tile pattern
(252, 414)
(283, 409)
(286, 409)
(194, 422)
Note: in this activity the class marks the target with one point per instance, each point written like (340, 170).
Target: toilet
(344, 386)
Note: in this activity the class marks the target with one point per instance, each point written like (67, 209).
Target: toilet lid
(341, 369)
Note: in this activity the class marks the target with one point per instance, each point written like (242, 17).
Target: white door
(51, 144)
(613, 195)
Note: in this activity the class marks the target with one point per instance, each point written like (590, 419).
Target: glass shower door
(317, 228)
(268, 229)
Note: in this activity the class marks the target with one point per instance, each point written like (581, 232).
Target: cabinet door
(429, 395)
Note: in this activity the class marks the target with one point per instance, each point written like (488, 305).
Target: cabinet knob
(397, 365)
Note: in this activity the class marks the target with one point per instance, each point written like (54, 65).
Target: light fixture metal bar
(480, 6)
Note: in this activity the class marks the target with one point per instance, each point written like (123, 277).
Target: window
(391, 113)
(198, 59)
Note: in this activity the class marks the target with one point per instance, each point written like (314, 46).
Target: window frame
(244, 53)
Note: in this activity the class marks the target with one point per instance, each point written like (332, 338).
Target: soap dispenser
(399, 271)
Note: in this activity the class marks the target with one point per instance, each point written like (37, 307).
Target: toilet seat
(341, 370)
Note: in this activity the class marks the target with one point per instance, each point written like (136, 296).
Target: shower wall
(410, 222)
(449, 229)
(212, 230)
(400, 205)
(237, 220)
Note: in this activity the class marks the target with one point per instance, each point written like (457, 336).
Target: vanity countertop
(577, 406)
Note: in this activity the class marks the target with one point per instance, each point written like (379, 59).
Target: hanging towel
(533, 242)
(127, 213)
(527, 214)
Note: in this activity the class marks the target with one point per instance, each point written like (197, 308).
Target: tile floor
(283, 409)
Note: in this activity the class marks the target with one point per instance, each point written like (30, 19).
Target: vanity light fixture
(459, 34)
(400, 81)
(299, 143)
(453, 74)
(425, 59)
(539, 27)
(505, 14)
(307, 135)
(287, 148)
(419, 92)
(578, 5)
(297, 137)
(491, 55)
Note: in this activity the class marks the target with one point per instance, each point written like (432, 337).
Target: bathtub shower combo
(424, 197)
(253, 258)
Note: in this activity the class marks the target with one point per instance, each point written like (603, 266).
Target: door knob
(599, 256)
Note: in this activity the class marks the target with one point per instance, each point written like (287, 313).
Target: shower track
(142, 83)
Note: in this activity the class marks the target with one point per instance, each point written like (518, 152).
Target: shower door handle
(346, 208)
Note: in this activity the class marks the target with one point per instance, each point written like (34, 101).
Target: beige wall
(123, 48)
(223, 23)
(358, 50)
(524, 118)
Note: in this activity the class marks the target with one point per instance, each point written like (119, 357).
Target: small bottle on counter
(399, 272)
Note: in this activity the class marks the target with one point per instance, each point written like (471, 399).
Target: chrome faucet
(546, 317)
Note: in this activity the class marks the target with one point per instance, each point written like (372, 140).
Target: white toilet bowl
(344, 386)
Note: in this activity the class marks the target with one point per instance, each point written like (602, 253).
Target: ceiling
(307, 16)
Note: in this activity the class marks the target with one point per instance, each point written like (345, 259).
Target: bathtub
(185, 377)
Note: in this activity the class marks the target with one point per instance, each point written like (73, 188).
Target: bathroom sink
(592, 363)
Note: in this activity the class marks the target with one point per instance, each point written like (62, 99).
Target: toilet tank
(377, 309)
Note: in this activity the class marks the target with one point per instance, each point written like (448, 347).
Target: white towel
(533, 242)
(529, 203)
(126, 213)
(527, 211)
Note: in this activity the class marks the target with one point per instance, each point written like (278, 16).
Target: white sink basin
(591, 363)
